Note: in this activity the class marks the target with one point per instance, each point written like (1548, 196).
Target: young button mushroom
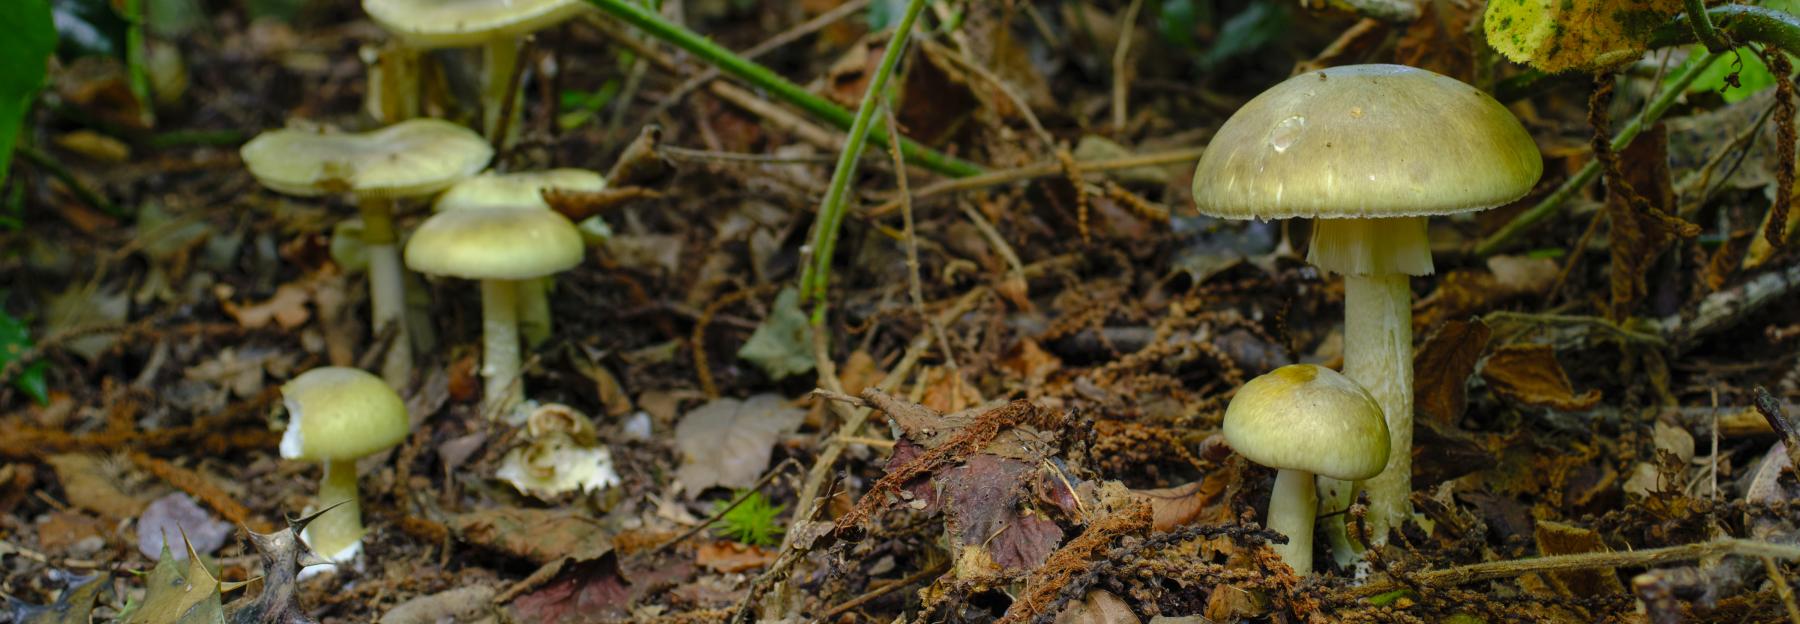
(409, 159)
(523, 190)
(500, 247)
(498, 26)
(337, 415)
(1305, 420)
(1369, 151)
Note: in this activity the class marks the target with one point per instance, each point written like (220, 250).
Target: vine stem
(1554, 201)
(1737, 22)
(814, 277)
(765, 79)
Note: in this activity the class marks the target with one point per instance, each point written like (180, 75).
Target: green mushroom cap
(338, 413)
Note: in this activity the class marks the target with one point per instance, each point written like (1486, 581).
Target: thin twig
(883, 591)
(1018, 101)
(1121, 65)
(1584, 561)
(993, 237)
(1782, 589)
(771, 44)
(913, 286)
(1040, 170)
(82, 191)
(717, 515)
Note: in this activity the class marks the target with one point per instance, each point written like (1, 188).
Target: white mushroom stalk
(387, 287)
(500, 344)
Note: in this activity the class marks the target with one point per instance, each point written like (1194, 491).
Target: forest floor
(1012, 409)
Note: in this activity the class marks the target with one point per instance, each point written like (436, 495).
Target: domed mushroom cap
(516, 190)
(1366, 141)
(1308, 418)
(494, 243)
(337, 413)
(448, 23)
(407, 159)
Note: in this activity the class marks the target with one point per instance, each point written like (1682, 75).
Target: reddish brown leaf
(1444, 365)
(1439, 40)
(1641, 208)
(729, 557)
(1529, 374)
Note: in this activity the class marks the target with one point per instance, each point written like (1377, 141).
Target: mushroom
(1368, 152)
(523, 190)
(1305, 420)
(408, 159)
(498, 26)
(337, 415)
(500, 247)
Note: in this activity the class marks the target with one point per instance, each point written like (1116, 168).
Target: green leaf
(1248, 31)
(1176, 22)
(15, 340)
(29, 40)
(782, 345)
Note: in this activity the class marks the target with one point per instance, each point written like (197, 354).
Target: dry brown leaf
(1641, 230)
(1439, 39)
(536, 535)
(1556, 538)
(730, 557)
(1529, 374)
(1466, 292)
(287, 307)
(97, 485)
(1444, 365)
(1030, 361)
(1098, 607)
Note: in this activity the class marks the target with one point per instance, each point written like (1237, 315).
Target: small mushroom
(1305, 420)
(498, 26)
(523, 190)
(1368, 152)
(336, 416)
(499, 247)
(408, 159)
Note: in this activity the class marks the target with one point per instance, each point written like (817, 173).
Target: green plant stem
(134, 62)
(86, 193)
(1703, 27)
(813, 278)
(774, 84)
(1554, 201)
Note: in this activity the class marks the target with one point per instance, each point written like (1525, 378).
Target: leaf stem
(814, 277)
(766, 80)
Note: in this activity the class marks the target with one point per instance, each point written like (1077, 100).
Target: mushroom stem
(335, 533)
(500, 57)
(534, 310)
(387, 288)
(1378, 355)
(499, 346)
(1291, 507)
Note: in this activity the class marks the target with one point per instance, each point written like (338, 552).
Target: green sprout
(751, 522)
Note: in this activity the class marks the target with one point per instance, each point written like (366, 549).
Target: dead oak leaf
(1444, 365)
(1529, 374)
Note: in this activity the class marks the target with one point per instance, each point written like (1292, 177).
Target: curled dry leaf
(286, 308)
(1642, 227)
(1444, 365)
(1529, 374)
(728, 442)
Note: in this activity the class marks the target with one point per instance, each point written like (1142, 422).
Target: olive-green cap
(408, 159)
(1308, 418)
(516, 190)
(451, 23)
(339, 413)
(1366, 141)
(494, 243)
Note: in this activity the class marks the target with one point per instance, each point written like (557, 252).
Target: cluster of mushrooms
(487, 226)
(1367, 152)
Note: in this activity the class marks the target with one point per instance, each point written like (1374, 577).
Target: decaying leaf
(587, 590)
(176, 515)
(1098, 607)
(1557, 538)
(1465, 292)
(1444, 365)
(74, 606)
(1561, 35)
(782, 344)
(728, 442)
(97, 485)
(730, 557)
(463, 605)
(1644, 226)
(1529, 374)
(536, 535)
(286, 308)
(1439, 39)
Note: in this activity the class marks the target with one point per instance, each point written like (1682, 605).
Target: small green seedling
(15, 341)
(751, 522)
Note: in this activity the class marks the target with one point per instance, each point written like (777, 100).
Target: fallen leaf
(1438, 40)
(1529, 374)
(1031, 362)
(782, 344)
(1538, 32)
(1098, 607)
(74, 606)
(1641, 229)
(287, 307)
(588, 590)
(1556, 538)
(982, 502)
(731, 557)
(97, 485)
(536, 535)
(173, 516)
(728, 442)
(463, 605)
(64, 532)
(1444, 365)
(1200, 501)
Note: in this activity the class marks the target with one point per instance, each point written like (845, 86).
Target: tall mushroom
(412, 158)
(1370, 151)
(500, 247)
(497, 26)
(522, 190)
(1305, 420)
